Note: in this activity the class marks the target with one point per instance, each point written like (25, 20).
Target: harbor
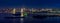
(29, 16)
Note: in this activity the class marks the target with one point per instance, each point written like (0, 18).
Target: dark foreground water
(27, 19)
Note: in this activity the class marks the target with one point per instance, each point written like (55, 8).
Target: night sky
(30, 3)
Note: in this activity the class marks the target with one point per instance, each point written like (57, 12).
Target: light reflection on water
(29, 20)
(21, 20)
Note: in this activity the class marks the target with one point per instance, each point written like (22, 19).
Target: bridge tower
(22, 12)
(14, 11)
